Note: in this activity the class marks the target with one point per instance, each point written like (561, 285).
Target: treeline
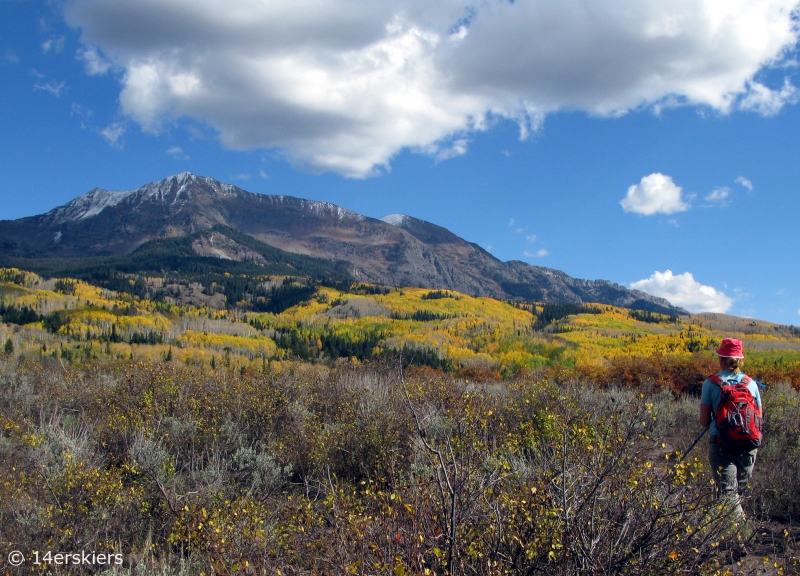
(175, 260)
(53, 322)
(176, 257)
(12, 276)
(315, 344)
(422, 316)
(289, 294)
(18, 314)
(439, 294)
(553, 312)
(652, 317)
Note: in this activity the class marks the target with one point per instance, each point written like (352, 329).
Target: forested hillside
(247, 321)
(301, 427)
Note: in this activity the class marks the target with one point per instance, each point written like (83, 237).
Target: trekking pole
(696, 440)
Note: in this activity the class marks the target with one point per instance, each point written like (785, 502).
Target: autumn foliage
(377, 431)
(300, 469)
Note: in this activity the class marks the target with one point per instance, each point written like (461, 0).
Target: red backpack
(737, 419)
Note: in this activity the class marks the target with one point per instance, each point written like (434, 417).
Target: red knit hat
(731, 348)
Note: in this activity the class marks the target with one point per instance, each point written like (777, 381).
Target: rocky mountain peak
(175, 190)
(398, 250)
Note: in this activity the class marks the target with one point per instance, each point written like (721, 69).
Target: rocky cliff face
(398, 250)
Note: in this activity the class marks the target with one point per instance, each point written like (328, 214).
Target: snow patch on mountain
(87, 205)
(175, 189)
(316, 207)
(396, 219)
(326, 208)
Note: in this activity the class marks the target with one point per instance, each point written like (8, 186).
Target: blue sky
(651, 143)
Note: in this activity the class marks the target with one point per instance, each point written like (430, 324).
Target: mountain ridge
(398, 250)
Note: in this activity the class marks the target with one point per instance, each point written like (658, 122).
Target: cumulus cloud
(655, 194)
(684, 291)
(343, 86)
(745, 182)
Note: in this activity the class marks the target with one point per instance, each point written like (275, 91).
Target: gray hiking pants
(731, 473)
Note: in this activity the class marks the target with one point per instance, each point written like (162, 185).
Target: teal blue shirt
(712, 394)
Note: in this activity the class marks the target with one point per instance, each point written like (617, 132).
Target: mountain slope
(399, 250)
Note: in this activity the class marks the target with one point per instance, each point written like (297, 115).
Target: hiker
(734, 439)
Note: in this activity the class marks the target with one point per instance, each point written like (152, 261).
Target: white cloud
(263, 174)
(745, 182)
(538, 254)
(655, 194)
(178, 153)
(344, 86)
(684, 291)
(719, 195)
(456, 148)
(10, 56)
(769, 102)
(53, 87)
(240, 176)
(113, 134)
(531, 237)
(94, 63)
(510, 223)
(55, 44)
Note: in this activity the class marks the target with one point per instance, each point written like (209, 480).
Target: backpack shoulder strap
(716, 379)
(746, 380)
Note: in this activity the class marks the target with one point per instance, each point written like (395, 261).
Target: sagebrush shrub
(364, 470)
